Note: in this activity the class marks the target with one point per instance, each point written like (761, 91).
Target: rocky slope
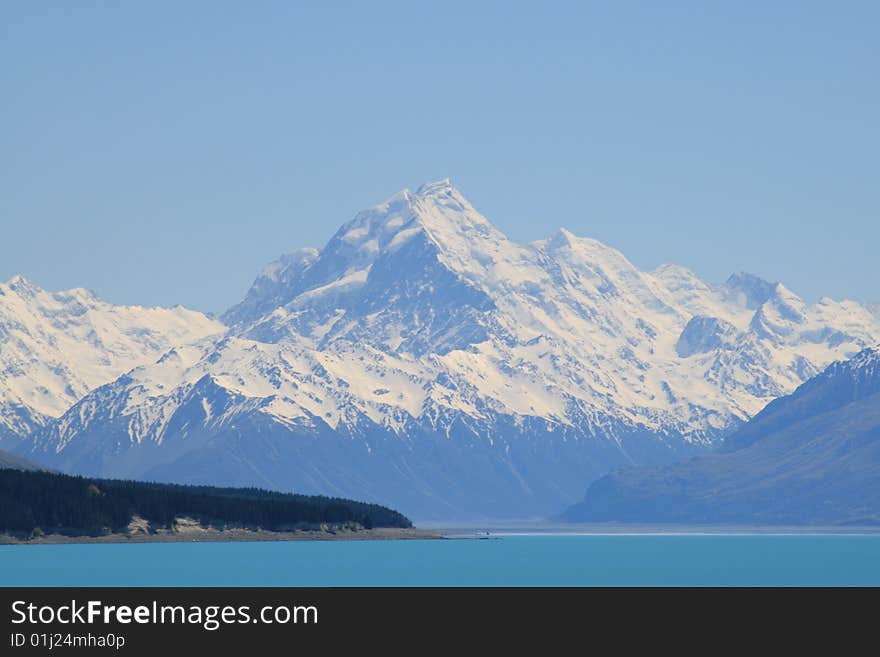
(812, 457)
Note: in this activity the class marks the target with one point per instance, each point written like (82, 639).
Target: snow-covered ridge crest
(57, 346)
(425, 284)
(601, 312)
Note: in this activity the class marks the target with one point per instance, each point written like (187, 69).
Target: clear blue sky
(162, 152)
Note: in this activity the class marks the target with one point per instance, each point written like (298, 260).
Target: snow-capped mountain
(56, 347)
(423, 360)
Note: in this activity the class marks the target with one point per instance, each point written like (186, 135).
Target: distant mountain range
(420, 360)
(57, 346)
(812, 457)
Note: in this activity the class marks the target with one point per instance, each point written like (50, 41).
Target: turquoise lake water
(543, 560)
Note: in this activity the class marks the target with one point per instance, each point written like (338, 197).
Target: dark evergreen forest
(36, 501)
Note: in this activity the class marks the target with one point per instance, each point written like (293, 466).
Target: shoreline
(451, 531)
(234, 536)
(531, 528)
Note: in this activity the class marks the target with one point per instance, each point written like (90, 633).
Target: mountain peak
(868, 357)
(677, 275)
(407, 232)
(23, 286)
(562, 238)
(749, 289)
(18, 279)
(436, 187)
(437, 209)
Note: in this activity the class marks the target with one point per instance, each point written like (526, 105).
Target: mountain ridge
(423, 358)
(57, 346)
(807, 458)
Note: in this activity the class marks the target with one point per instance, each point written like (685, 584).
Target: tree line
(56, 503)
